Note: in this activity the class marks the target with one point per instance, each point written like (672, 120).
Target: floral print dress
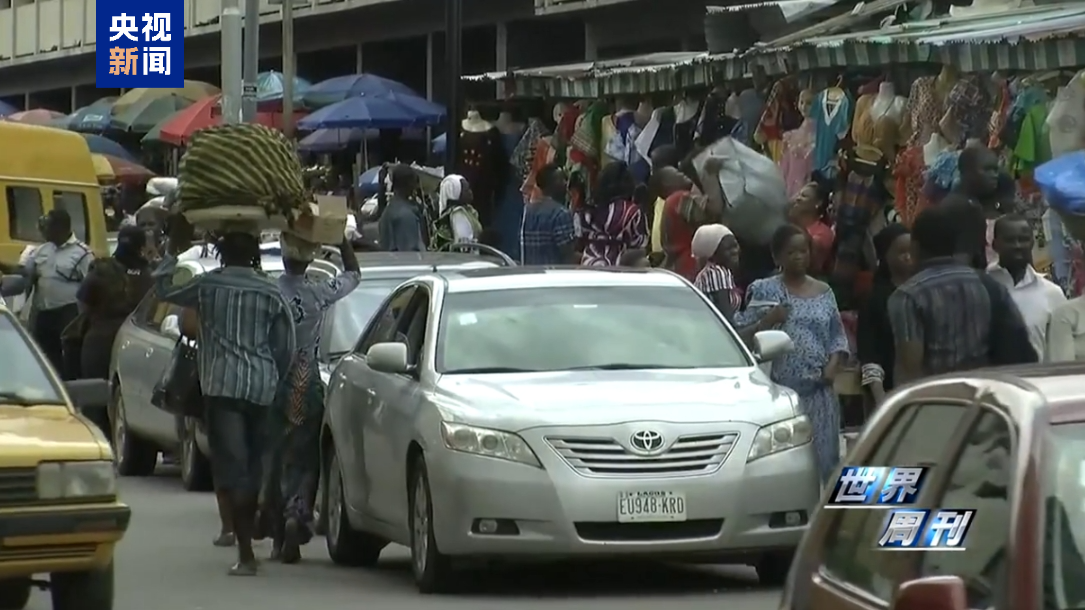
(815, 328)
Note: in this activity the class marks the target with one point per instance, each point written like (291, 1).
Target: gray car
(562, 413)
(145, 343)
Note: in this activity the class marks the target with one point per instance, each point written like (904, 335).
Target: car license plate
(647, 506)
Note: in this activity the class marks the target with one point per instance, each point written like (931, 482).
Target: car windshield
(583, 327)
(352, 314)
(24, 379)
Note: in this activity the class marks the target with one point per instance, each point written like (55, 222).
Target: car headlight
(65, 480)
(487, 442)
(781, 436)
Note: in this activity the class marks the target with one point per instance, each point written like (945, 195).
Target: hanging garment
(923, 111)
(523, 154)
(863, 196)
(831, 113)
(1033, 142)
(781, 115)
(483, 163)
(797, 160)
(969, 107)
(751, 105)
(1000, 114)
(686, 114)
(714, 122)
(908, 197)
(1066, 121)
(879, 131)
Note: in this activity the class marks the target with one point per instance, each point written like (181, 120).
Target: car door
(843, 570)
(389, 429)
(156, 348)
(352, 394)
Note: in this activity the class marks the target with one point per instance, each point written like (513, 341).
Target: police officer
(55, 270)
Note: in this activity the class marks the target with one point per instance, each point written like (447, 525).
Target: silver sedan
(528, 413)
(145, 343)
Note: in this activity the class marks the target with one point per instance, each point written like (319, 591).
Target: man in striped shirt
(246, 343)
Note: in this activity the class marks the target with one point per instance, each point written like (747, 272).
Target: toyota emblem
(646, 441)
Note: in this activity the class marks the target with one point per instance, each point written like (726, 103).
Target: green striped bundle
(241, 165)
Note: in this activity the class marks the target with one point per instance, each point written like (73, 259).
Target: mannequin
(474, 123)
(482, 161)
(943, 83)
(934, 147)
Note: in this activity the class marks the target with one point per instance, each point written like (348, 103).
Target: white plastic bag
(754, 188)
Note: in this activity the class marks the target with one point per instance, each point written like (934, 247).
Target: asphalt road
(167, 562)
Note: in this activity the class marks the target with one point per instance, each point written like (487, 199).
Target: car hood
(524, 400)
(44, 433)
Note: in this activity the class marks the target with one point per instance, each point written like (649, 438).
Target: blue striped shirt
(246, 331)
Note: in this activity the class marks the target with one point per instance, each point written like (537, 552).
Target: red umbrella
(207, 113)
(37, 116)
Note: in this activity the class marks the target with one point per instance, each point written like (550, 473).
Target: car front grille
(18, 486)
(691, 454)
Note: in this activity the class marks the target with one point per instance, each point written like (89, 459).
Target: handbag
(178, 391)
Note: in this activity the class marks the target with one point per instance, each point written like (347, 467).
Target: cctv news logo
(905, 527)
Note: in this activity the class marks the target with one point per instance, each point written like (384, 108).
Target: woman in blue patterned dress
(813, 323)
(295, 422)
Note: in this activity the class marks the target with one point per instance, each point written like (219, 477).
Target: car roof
(511, 278)
(377, 265)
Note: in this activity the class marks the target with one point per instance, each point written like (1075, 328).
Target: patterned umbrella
(192, 91)
(92, 118)
(37, 116)
(144, 114)
(111, 168)
(340, 88)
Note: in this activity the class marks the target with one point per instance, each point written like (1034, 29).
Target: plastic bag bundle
(241, 165)
(1062, 182)
(754, 188)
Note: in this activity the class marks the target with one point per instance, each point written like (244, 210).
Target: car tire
(88, 590)
(432, 570)
(15, 593)
(772, 568)
(134, 457)
(195, 467)
(346, 545)
(320, 511)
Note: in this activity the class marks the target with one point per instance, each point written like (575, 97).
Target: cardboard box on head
(324, 222)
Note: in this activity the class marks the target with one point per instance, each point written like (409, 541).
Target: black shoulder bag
(178, 391)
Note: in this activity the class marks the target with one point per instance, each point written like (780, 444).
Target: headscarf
(882, 242)
(450, 190)
(707, 239)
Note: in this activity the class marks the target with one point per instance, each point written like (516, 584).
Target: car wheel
(772, 568)
(320, 513)
(89, 590)
(134, 457)
(346, 545)
(195, 467)
(14, 593)
(432, 569)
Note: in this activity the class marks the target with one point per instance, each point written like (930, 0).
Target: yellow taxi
(60, 517)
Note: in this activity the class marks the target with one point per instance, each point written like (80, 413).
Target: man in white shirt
(1036, 296)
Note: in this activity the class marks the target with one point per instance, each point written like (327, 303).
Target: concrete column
(591, 49)
(75, 98)
(26, 98)
(429, 65)
(358, 64)
(502, 55)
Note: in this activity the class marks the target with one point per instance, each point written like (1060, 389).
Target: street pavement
(167, 562)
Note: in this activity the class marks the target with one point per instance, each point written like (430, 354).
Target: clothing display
(483, 162)
(797, 158)
(877, 122)
(831, 113)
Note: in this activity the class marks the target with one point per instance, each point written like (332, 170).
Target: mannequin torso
(474, 123)
(934, 147)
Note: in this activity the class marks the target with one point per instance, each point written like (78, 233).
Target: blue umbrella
(269, 89)
(6, 109)
(388, 111)
(101, 145)
(368, 182)
(330, 140)
(438, 145)
(340, 88)
(92, 118)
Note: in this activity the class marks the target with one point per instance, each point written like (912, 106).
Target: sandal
(243, 568)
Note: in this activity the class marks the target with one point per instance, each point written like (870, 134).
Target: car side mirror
(931, 593)
(390, 357)
(171, 326)
(88, 395)
(771, 344)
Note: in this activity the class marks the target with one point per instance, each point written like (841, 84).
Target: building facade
(47, 46)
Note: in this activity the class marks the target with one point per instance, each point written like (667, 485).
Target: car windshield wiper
(624, 366)
(481, 370)
(22, 400)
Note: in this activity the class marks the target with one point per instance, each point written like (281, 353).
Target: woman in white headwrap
(717, 252)
(457, 221)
